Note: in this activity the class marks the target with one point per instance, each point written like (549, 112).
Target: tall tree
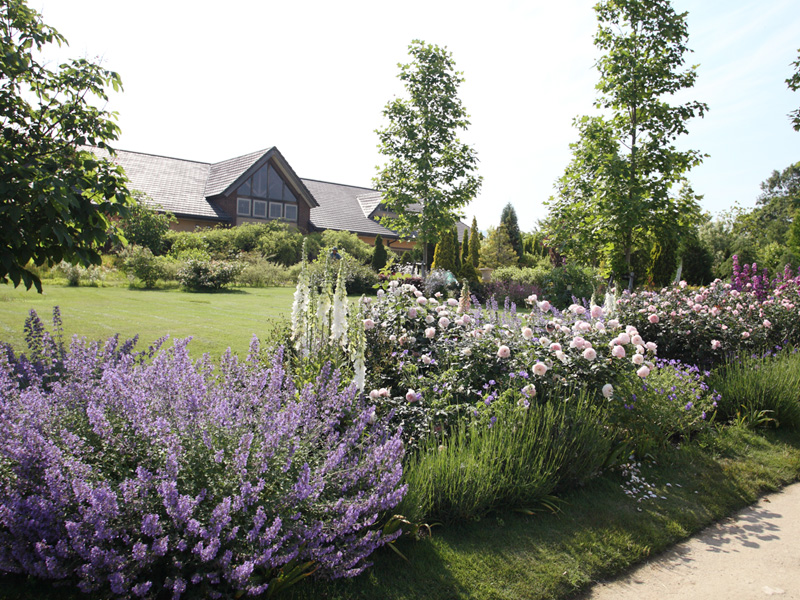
(430, 175)
(474, 243)
(509, 218)
(616, 190)
(794, 84)
(57, 199)
(456, 250)
(465, 258)
(498, 251)
(444, 256)
(379, 256)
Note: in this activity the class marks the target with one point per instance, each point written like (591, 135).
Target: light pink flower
(643, 371)
(637, 359)
(618, 351)
(716, 344)
(555, 347)
(596, 312)
(412, 313)
(653, 318)
(430, 332)
(426, 359)
(504, 351)
(608, 390)
(539, 369)
(374, 394)
(429, 319)
(384, 393)
(369, 324)
(637, 340)
(544, 306)
(613, 324)
(767, 324)
(422, 300)
(527, 333)
(590, 354)
(411, 395)
(652, 346)
(561, 356)
(745, 334)
(444, 322)
(466, 319)
(624, 338)
(529, 390)
(452, 302)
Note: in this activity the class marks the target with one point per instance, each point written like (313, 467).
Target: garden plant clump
(708, 325)
(139, 474)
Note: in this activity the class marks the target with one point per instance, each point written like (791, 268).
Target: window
(243, 207)
(275, 210)
(260, 209)
(290, 212)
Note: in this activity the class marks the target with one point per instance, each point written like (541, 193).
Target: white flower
(643, 371)
(637, 359)
(452, 302)
(429, 319)
(527, 333)
(539, 369)
(561, 356)
(369, 324)
(444, 322)
(529, 390)
(504, 351)
(544, 306)
(590, 354)
(430, 332)
(426, 359)
(608, 390)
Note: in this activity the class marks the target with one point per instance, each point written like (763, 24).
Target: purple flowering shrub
(706, 326)
(674, 403)
(143, 477)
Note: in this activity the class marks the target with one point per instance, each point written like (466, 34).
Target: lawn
(215, 321)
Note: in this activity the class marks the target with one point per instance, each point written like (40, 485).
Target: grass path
(215, 320)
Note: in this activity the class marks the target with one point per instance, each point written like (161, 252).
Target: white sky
(209, 81)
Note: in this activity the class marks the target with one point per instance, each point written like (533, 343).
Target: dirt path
(754, 555)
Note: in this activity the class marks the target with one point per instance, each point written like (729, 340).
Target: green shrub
(76, 274)
(514, 462)
(283, 246)
(200, 275)
(557, 284)
(179, 241)
(140, 263)
(145, 226)
(349, 242)
(760, 391)
(259, 272)
(359, 278)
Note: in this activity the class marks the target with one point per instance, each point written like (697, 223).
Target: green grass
(215, 320)
(599, 533)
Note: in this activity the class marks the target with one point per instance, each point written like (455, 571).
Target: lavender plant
(144, 478)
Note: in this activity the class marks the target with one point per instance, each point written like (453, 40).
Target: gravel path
(754, 555)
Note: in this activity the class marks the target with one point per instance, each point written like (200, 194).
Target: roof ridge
(199, 162)
(361, 187)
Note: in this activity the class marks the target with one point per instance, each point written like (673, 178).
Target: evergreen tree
(456, 250)
(444, 256)
(379, 256)
(465, 249)
(475, 244)
(498, 251)
(509, 219)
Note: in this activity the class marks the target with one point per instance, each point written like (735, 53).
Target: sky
(209, 81)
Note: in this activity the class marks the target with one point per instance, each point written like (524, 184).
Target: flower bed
(137, 474)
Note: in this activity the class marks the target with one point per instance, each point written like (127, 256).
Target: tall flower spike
(300, 305)
(339, 317)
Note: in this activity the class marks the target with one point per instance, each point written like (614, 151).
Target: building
(254, 188)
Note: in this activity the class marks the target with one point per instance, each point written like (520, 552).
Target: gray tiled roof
(224, 173)
(340, 209)
(369, 202)
(173, 184)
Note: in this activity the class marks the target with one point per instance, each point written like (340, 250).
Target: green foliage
(77, 274)
(140, 263)
(429, 176)
(283, 246)
(697, 262)
(498, 251)
(475, 244)
(259, 272)
(663, 262)
(445, 255)
(456, 250)
(57, 199)
(359, 278)
(344, 240)
(616, 193)
(794, 84)
(557, 284)
(760, 391)
(144, 225)
(509, 218)
(465, 258)
(515, 463)
(379, 256)
(200, 275)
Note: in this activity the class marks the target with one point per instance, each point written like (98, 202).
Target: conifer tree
(444, 255)
(465, 249)
(498, 251)
(379, 255)
(456, 250)
(509, 219)
(475, 244)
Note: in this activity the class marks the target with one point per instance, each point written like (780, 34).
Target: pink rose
(653, 318)
(637, 359)
(596, 312)
(608, 390)
(422, 300)
(504, 351)
(618, 351)
(369, 324)
(412, 313)
(643, 372)
(590, 354)
(411, 395)
(527, 333)
(539, 369)
(430, 332)
(716, 344)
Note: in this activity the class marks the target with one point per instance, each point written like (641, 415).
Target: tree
(509, 218)
(379, 255)
(456, 250)
(465, 258)
(616, 190)
(430, 176)
(498, 251)
(145, 226)
(445, 255)
(475, 243)
(57, 198)
(794, 84)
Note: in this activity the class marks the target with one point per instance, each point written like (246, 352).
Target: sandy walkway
(755, 554)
